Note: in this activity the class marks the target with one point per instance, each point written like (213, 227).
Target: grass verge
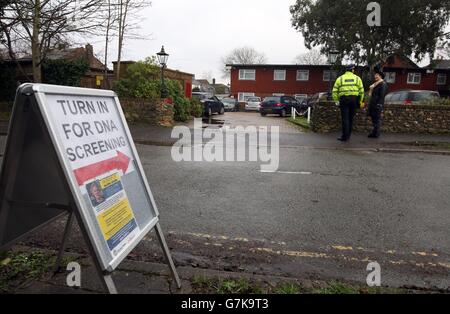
(19, 268)
(204, 285)
(301, 122)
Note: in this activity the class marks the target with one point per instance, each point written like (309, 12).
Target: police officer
(349, 92)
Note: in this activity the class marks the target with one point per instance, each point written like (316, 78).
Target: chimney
(214, 81)
(89, 51)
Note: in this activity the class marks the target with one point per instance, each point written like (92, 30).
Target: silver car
(253, 103)
(231, 104)
(409, 97)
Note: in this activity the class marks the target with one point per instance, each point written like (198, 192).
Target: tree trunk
(119, 58)
(119, 53)
(108, 26)
(123, 14)
(35, 44)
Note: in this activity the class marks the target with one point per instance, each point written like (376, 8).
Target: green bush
(143, 81)
(196, 108)
(181, 105)
(435, 102)
(64, 72)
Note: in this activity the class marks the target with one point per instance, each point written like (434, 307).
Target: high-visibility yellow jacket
(348, 84)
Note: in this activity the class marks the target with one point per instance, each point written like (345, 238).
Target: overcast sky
(197, 33)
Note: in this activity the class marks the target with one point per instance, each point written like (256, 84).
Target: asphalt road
(324, 214)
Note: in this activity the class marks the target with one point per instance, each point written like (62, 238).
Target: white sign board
(95, 148)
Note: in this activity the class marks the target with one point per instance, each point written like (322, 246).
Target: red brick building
(269, 80)
(402, 73)
(300, 80)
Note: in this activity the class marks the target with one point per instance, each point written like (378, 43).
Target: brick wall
(396, 119)
(147, 111)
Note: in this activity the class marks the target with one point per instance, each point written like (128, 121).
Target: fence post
(309, 115)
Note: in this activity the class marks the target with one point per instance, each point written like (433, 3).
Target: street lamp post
(333, 55)
(162, 58)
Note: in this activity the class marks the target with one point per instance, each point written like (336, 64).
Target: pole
(163, 83)
(168, 256)
(64, 242)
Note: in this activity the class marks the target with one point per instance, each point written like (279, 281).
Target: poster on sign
(101, 161)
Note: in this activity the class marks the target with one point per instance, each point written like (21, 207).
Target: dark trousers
(348, 105)
(375, 115)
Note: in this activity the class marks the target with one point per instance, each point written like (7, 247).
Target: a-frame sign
(69, 150)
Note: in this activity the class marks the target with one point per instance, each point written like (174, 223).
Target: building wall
(264, 85)
(185, 80)
(428, 80)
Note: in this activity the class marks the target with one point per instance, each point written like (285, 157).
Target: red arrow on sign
(120, 162)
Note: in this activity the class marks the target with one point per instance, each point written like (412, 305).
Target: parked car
(409, 97)
(301, 99)
(231, 104)
(252, 103)
(201, 96)
(211, 105)
(280, 105)
(316, 98)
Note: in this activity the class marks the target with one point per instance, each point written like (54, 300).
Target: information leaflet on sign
(99, 154)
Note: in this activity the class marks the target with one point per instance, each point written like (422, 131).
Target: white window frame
(332, 75)
(412, 76)
(390, 77)
(299, 78)
(242, 97)
(247, 74)
(278, 95)
(275, 72)
(441, 79)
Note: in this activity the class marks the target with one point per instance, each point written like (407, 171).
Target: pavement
(329, 210)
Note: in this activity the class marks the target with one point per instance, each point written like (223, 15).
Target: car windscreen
(422, 96)
(400, 96)
(201, 97)
(272, 99)
(253, 99)
(228, 100)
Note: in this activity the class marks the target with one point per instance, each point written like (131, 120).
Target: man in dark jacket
(377, 94)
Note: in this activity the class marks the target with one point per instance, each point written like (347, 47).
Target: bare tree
(128, 16)
(312, 57)
(243, 55)
(40, 25)
(111, 18)
(3, 4)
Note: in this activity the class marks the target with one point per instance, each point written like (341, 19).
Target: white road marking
(326, 254)
(287, 172)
